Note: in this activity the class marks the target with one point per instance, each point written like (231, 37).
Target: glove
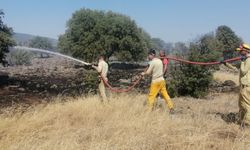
(93, 66)
(143, 73)
(243, 57)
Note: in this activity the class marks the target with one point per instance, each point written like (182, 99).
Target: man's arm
(98, 68)
(245, 68)
(230, 66)
(148, 71)
(165, 66)
(165, 69)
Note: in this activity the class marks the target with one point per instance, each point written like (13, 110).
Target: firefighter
(165, 68)
(244, 97)
(102, 69)
(158, 83)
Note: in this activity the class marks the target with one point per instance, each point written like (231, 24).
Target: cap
(243, 47)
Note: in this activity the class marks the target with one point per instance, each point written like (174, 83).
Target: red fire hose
(118, 90)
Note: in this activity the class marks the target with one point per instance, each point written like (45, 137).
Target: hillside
(32, 117)
(23, 39)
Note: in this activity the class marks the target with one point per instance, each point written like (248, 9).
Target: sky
(170, 20)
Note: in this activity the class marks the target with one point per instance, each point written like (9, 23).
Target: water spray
(49, 52)
(138, 80)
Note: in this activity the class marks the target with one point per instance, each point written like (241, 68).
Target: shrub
(20, 57)
(194, 80)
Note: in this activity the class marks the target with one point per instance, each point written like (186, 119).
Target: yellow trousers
(155, 88)
(102, 91)
(244, 105)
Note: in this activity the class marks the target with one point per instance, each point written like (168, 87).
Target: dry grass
(223, 76)
(124, 123)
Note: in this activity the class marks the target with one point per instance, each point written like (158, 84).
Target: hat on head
(151, 52)
(243, 47)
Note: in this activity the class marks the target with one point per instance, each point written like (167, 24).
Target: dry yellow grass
(223, 76)
(124, 123)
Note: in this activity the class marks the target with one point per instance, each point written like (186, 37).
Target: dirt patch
(40, 81)
(49, 77)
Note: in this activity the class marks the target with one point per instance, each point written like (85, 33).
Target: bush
(190, 80)
(194, 80)
(20, 57)
(91, 81)
(172, 88)
(5, 39)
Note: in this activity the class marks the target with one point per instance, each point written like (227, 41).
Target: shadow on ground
(231, 117)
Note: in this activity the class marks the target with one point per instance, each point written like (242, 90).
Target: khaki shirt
(103, 69)
(156, 69)
(245, 72)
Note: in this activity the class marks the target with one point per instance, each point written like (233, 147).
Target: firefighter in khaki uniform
(102, 69)
(158, 83)
(244, 97)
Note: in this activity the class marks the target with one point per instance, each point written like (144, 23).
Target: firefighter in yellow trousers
(244, 97)
(158, 83)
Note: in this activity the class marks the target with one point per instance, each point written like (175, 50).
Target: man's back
(103, 68)
(156, 69)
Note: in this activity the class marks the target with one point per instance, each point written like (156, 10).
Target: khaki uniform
(103, 70)
(158, 83)
(244, 98)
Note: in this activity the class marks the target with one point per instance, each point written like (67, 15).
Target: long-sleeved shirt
(156, 69)
(103, 69)
(245, 72)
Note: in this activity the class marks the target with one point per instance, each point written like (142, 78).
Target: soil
(46, 78)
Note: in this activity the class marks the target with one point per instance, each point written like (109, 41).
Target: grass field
(123, 123)
(223, 76)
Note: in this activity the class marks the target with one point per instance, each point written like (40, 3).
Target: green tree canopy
(41, 42)
(5, 38)
(158, 44)
(90, 33)
(194, 80)
(209, 47)
(179, 48)
(229, 40)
